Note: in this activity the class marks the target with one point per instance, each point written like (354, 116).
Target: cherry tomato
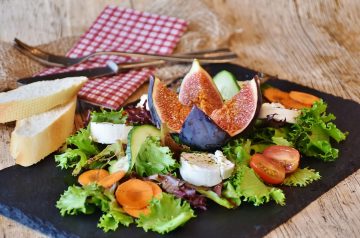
(285, 155)
(268, 170)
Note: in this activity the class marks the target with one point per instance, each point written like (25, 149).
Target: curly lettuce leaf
(302, 177)
(72, 158)
(250, 188)
(74, 201)
(166, 214)
(115, 117)
(313, 130)
(83, 142)
(238, 151)
(154, 158)
(110, 221)
(77, 200)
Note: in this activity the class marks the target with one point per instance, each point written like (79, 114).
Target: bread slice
(38, 97)
(37, 136)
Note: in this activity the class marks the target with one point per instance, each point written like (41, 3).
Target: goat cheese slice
(203, 169)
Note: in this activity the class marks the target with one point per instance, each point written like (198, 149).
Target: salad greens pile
(154, 159)
(166, 213)
(312, 135)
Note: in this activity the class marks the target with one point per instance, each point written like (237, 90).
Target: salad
(156, 163)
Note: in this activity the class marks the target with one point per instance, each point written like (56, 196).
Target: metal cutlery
(48, 59)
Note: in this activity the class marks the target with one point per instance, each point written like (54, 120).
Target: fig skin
(154, 116)
(200, 132)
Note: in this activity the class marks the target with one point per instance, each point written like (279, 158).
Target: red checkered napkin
(122, 30)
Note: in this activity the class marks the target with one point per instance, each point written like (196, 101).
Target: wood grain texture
(314, 43)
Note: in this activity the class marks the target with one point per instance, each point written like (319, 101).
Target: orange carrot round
(134, 193)
(304, 98)
(274, 94)
(155, 188)
(109, 180)
(136, 212)
(92, 176)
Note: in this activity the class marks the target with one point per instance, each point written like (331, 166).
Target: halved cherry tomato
(285, 155)
(268, 170)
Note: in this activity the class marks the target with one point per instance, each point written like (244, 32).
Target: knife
(111, 68)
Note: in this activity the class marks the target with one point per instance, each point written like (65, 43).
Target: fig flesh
(165, 107)
(241, 110)
(198, 88)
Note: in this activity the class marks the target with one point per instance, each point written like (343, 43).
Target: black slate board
(28, 195)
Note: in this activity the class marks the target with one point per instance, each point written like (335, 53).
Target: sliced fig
(238, 112)
(198, 88)
(201, 133)
(165, 107)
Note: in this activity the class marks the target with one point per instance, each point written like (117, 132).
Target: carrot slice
(134, 193)
(292, 104)
(109, 180)
(274, 94)
(155, 188)
(136, 212)
(92, 176)
(304, 98)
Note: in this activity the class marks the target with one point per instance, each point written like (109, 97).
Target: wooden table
(314, 43)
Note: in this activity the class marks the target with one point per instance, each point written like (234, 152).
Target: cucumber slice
(121, 164)
(136, 137)
(226, 84)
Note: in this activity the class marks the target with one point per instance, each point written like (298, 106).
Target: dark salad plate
(28, 195)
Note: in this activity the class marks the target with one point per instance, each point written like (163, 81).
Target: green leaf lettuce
(312, 133)
(166, 214)
(250, 188)
(83, 142)
(154, 159)
(302, 177)
(115, 117)
(72, 158)
(77, 200)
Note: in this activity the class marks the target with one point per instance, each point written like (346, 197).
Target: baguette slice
(38, 97)
(38, 136)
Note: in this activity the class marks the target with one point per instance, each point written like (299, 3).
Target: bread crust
(16, 110)
(28, 150)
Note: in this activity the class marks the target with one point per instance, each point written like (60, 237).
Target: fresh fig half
(201, 133)
(241, 110)
(165, 107)
(198, 88)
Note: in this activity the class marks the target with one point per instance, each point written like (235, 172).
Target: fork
(208, 56)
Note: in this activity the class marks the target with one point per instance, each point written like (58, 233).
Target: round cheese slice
(203, 169)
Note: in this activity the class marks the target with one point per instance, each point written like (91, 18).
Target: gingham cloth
(122, 30)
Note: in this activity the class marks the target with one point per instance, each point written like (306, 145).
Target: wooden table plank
(314, 43)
